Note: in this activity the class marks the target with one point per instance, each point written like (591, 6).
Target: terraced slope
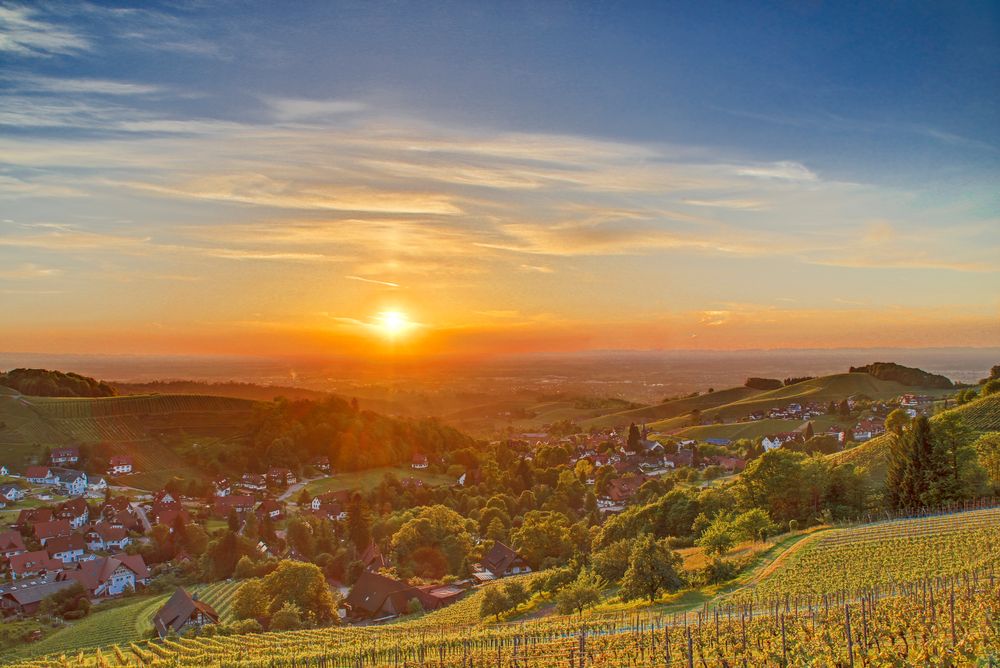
(885, 553)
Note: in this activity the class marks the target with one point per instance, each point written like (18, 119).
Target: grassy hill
(29, 424)
(673, 408)
(981, 416)
(818, 390)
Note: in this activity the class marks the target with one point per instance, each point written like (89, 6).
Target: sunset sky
(208, 177)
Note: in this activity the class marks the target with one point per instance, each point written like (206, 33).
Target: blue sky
(474, 163)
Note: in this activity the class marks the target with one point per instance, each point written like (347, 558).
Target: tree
(516, 592)
(581, 593)
(653, 568)
(233, 520)
(251, 600)
(611, 562)
(717, 539)
(988, 449)
(754, 524)
(495, 601)
(303, 498)
(634, 437)
(287, 618)
(543, 538)
(436, 535)
(990, 387)
(359, 523)
(908, 469)
(304, 585)
(897, 421)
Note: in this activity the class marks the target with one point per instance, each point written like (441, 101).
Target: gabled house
(28, 517)
(4, 470)
(64, 456)
(271, 509)
(11, 493)
(11, 543)
(375, 596)
(331, 504)
(110, 576)
(120, 465)
(168, 516)
(30, 564)
(320, 464)
(281, 477)
(76, 511)
(97, 484)
(502, 560)
(67, 549)
(621, 490)
(182, 612)
(254, 482)
(106, 538)
(46, 531)
(419, 461)
(39, 475)
(164, 499)
(372, 558)
(241, 503)
(69, 481)
(24, 598)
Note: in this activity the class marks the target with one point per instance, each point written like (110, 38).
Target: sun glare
(393, 324)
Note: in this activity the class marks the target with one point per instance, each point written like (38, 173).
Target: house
(241, 503)
(11, 543)
(110, 576)
(376, 596)
(254, 482)
(868, 428)
(281, 476)
(734, 464)
(30, 564)
(164, 499)
(67, 549)
(222, 487)
(4, 470)
(502, 560)
(419, 462)
(621, 490)
(45, 531)
(269, 508)
(31, 516)
(331, 504)
(120, 465)
(24, 598)
(320, 464)
(69, 481)
(182, 612)
(718, 441)
(773, 441)
(11, 493)
(75, 510)
(97, 484)
(168, 516)
(106, 537)
(39, 475)
(64, 456)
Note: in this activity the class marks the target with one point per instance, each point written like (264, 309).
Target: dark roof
(372, 557)
(11, 540)
(65, 544)
(51, 529)
(93, 573)
(370, 593)
(26, 593)
(499, 558)
(178, 610)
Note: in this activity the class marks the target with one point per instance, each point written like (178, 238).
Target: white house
(67, 549)
(771, 443)
(11, 493)
(120, 465)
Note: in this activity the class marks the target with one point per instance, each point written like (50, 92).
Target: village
(88, 530)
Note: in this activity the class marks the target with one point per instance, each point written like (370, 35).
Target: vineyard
(941, 622)
(883, 554)
(127, 623)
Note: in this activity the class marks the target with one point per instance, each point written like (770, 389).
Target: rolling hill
(982, 415)
(29, 424)
(672, 409)
(818, 390)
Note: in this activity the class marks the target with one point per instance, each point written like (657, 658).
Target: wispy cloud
(24, 33)
(388, 284)
(84, 86)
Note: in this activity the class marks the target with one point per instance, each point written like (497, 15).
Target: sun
(393, 324)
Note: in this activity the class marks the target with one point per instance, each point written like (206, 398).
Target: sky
(276, 178)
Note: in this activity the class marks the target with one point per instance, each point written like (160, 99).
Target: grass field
(367, 480)
(124, 621)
